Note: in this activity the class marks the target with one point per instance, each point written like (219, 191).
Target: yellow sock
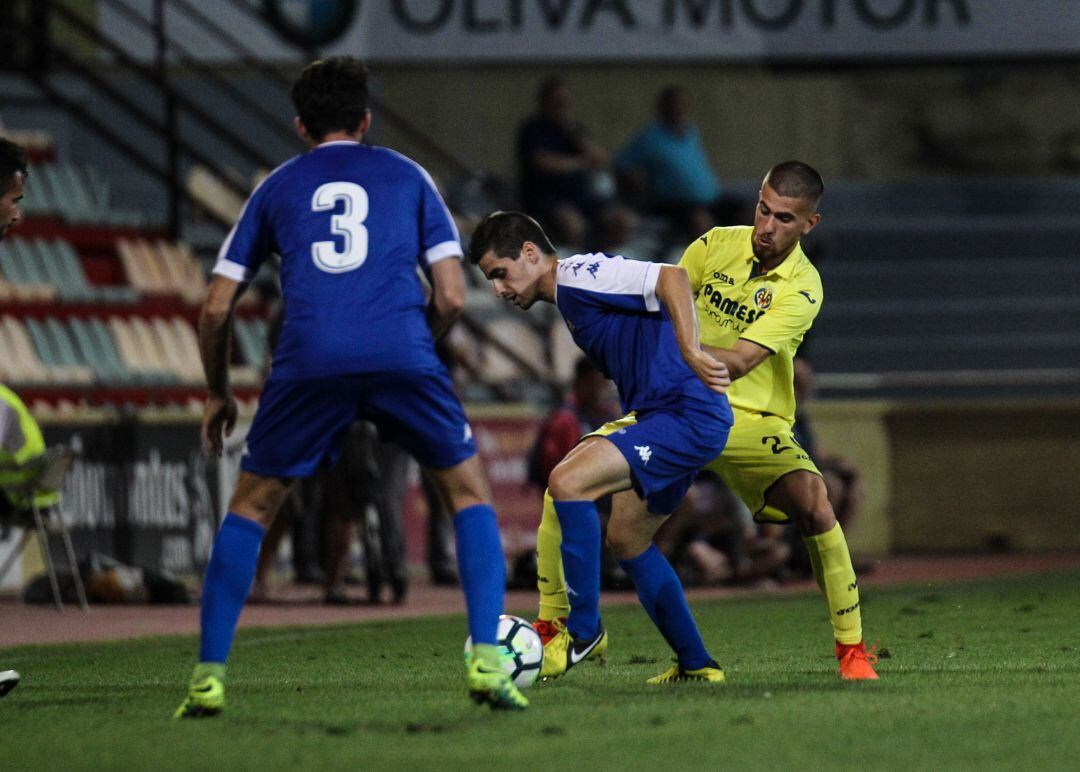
(835, 575)
(554, 601)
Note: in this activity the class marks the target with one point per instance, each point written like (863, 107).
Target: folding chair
(46, 483)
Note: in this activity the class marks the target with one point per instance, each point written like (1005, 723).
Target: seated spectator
(665, 170)
(561, 168)
(712, 539)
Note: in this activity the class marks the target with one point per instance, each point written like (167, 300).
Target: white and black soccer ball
(526, 652)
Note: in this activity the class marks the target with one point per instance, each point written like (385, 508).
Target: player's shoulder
(806, 273)
(598, 271)
(401, 163)
(276, 176)
(728, 235)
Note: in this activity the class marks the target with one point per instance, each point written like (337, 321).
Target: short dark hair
(667, 95)
(331, 95)
(549, 86)
(12, 162)
(504, 233)
(794, 179)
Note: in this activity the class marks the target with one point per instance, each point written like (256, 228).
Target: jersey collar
(787, 268)
(333, 142)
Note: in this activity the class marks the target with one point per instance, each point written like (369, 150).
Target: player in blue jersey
(352, 224)
(635, 321)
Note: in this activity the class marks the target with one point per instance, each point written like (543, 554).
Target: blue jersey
(351, 223)
(610, 305)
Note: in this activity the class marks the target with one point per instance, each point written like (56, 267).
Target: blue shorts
(667, 447)
(301, 424)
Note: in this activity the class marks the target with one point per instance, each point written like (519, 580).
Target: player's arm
(447, 295)
(215, 332)
(673, 291)
(741, 358)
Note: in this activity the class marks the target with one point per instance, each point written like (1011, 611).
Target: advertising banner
(139, 492)
(628, 30)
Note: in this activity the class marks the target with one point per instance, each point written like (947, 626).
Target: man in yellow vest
(21, 444)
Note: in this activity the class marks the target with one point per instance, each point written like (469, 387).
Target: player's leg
(802, 496)
(550, 579)
(421, 411)
(298, 425)
(228, 580)
(482, 570)
(592, 469)
(630, 537)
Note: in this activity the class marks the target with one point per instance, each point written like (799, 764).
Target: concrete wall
(954, 476)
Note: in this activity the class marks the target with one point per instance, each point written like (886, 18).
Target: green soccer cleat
(711, 673)
(206, 697)
(495, 687)
(564, 651)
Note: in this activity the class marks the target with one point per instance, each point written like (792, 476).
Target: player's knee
(625, 543)
(814, 519)
(564, 484)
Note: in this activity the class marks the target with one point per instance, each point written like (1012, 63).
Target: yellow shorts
(760, 450)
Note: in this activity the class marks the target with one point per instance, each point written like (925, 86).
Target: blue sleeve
(249, 242)
(440, 235)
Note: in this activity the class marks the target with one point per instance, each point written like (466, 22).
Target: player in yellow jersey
(757, 294)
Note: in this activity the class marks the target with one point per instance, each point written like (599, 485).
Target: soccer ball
(517, 637)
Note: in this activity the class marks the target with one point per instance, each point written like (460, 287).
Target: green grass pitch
(980, 675)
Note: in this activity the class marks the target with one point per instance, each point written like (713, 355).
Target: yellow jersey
(773, 309)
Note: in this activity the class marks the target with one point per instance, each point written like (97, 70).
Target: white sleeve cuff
(442, 251)
(648, 291)
(231, 270)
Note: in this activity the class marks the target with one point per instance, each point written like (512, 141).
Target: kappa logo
(577, 266)
(593, 268)
(645, 452)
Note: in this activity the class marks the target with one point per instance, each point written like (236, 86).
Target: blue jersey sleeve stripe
(231, 270)
(443, 251)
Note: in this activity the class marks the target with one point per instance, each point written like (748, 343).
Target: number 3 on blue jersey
(349, 225)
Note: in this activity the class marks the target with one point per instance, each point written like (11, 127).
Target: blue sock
(482, 568)
(228, 581)
(661, 593)
(580, 524)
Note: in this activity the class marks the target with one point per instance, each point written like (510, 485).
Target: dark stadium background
(948, 132)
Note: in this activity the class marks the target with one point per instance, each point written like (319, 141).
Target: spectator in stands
(712, 539)
(561, 168)
(12, 181)
(369, 477)
(665, 170)
(21, 443)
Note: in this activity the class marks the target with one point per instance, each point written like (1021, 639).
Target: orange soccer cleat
(548, 628)
(856, 663)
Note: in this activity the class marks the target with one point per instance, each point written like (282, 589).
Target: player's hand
(219, 419)
(712, 372)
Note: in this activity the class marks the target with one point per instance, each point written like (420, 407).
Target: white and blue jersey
(610, 305)
(351, 224)
(675, 423)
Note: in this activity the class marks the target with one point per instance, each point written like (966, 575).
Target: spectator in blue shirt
(664, 169)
